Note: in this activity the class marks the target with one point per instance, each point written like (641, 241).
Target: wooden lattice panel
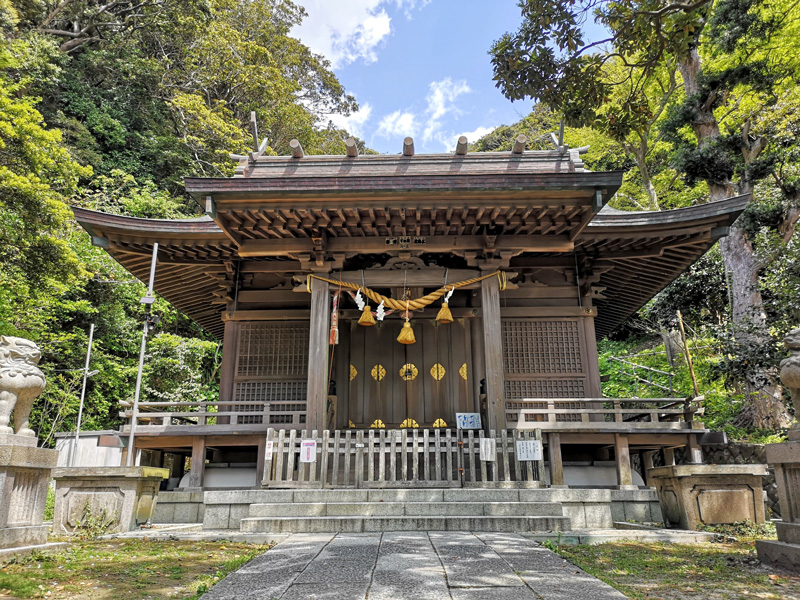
(519, 389)
(542, 347)
(272, 366)
(273, 350)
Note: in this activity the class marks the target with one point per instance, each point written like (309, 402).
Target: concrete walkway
(412, 566)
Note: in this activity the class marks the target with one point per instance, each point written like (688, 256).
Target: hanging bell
(406, 334)
(444, 316)
(366, 317)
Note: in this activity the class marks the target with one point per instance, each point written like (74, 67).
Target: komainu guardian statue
(21, 382)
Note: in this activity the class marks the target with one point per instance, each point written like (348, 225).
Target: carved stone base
(24, 476)
(125, 495)
(691, 495)
(785, 458)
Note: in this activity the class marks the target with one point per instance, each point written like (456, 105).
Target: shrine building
(364, 301)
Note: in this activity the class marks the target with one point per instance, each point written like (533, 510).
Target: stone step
(434, 509)
(402, 523)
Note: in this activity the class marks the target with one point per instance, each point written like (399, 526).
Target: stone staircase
(460, 509)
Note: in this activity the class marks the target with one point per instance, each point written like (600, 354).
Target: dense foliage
(702, 100)
(108, 106)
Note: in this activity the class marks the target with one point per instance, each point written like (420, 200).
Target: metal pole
(147, 301)
(83, 395)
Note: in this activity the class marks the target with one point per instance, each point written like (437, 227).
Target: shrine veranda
(266, 269)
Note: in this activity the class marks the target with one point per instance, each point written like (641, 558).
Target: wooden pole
(297, 148)
(254, 130)
(317, 391)
(688, 356)
(352, 147)
(408, 146)
(623, 458)
(554, 458)
(197, 472)
(519, 144)
(461, 146)
(493, 347)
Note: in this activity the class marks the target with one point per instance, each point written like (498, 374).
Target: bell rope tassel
(444, 316)
(366, 317)
(406, 334)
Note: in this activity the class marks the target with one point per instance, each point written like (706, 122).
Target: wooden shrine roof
(276, 201)
(634, 255)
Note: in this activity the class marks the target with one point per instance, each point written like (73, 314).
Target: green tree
(732, 58)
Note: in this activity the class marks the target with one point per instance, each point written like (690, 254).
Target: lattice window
(545, 388)
(288, 396)
(536, 347)
(273, 350)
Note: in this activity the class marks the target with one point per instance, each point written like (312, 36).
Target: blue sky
(416, 67)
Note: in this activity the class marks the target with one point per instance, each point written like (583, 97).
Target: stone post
(785, 458)
(24, 468)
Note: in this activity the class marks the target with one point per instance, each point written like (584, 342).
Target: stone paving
(410, 565)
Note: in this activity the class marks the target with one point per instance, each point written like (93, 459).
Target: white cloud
(354, 124)
(440, 108)
(345, 31)
(441, 102)
(449, 141)
(398, 124)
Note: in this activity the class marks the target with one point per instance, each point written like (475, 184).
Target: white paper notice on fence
(488, 450)
(268, 450)
(308, 451)
(529, 450)
(468, 421)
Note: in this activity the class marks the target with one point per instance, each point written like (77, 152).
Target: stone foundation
(786, 551)
(127, 496)
(24, 475)
(691, 495)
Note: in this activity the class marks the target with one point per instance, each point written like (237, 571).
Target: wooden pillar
(647, 463)
(227, 371)
(478, 372)
(669, 457)
(196, 475)
(554, 458)
(694, 454)
(623, 457)
(319, 334)
(493, 348)
(177, 470)
(261, 457)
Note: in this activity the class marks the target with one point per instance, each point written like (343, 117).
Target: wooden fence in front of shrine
(386, 458)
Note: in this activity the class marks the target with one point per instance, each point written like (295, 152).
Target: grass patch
(125, 569)
(711, 571)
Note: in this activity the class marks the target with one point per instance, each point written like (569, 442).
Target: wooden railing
(398, 458)
(241, 414)
(565, 414)
(550, 414)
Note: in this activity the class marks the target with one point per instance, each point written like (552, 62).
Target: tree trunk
(765, 408)
(639, 154)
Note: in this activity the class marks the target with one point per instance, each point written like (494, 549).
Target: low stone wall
(739, 453)
(179, 507)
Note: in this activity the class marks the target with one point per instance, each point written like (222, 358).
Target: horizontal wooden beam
(433, 243)
(511, 312)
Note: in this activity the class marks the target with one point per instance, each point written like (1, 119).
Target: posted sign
(269, 449)
(308, 451)
(529, 450)
(468, 421)
(488, 449)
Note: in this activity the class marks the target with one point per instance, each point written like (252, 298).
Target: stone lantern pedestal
(122, 497)
(786, 460)
(691, 495)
